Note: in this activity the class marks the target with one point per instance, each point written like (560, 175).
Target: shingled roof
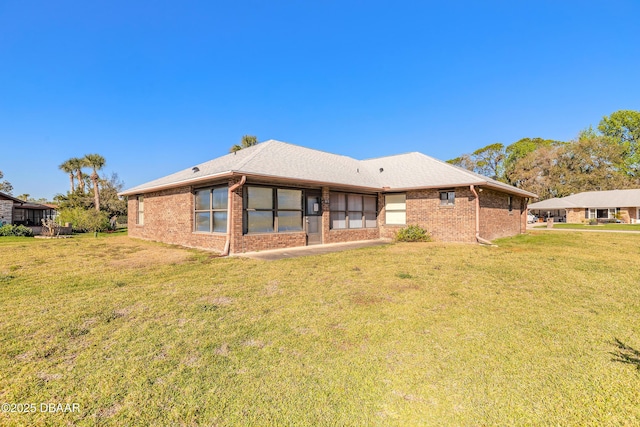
(592, 199)
(281, 160)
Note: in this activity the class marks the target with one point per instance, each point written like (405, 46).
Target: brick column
(326, 215)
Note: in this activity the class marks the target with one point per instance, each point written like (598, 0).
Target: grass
(541, 330)
(620, 227)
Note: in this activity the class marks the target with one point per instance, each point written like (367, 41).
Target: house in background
(18, 212)
(279, 195)
(599, 205)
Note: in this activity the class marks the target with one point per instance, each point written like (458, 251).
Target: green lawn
(541, 330)
(621, 227)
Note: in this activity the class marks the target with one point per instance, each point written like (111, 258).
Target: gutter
(234, 187)
(478, 238)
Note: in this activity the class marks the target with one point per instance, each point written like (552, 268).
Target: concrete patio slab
(276, 254)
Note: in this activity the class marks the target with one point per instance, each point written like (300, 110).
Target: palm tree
(245, 142)
(77, 164)
(67, 167)
(97, 162)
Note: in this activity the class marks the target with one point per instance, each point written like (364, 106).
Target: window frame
(275, 209)
(210, 210)
(348, 210)
(448, 200)
(387, 210)
(140, 210)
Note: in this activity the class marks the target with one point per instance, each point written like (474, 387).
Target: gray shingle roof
(593, 199)
(283, 160)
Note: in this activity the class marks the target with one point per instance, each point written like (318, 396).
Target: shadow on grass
(625, 354)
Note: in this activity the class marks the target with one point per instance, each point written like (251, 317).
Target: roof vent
(381, 170)
(195, 169)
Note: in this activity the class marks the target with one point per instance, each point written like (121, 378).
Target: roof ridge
(259, 148)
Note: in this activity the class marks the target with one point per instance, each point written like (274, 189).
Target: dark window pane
(289, 199)
(370, 204)
(202, 221)
(289, 221)
(220, 222)
(260, 222)
(355, 202)
(337, 202)
(338, 220)
(370, 220)
(220, 196)
(203, 200)
(355, 219)
(259, 198)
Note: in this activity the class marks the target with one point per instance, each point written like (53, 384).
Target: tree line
(605, 158)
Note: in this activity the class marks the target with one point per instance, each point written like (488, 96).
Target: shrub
(83, 220)
(15, 230)
(413, 233)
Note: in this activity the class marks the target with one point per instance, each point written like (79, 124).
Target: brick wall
(6, 212)
(495, 218)
(575, 216)
(168, 218)
(454, 223)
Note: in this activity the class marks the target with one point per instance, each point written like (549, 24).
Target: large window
(395, 206)
(447, 198)
(140, 217)
(608, 213)
(211, 210)
(272, 209)
(352, 211)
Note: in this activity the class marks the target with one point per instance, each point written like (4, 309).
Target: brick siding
(495, 218)
(168, 217)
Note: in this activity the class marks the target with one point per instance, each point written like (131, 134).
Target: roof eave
(176, 184)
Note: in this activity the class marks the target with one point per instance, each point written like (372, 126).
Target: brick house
(602, 206)
(279, 195)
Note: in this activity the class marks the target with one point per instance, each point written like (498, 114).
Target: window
(608, 213)
(447, 198)
(352, 211)
(140, 217)
(510, 203)
(269, 209)
(211, 210)
(395, 206)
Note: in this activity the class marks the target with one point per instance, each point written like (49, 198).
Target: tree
(485, 161)
(77, 164)
(24, 197)
(246, 142)
(96, 162)
(533, 172)
(590, 163)
(623, 127)
(489, 160)
(520, 149)
(68, 167)
(5, 186)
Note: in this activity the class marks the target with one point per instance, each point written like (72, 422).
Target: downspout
(478, 238)
(234, 187)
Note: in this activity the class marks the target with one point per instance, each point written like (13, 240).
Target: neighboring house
(279, 195)
(18, 212)
(599, 205)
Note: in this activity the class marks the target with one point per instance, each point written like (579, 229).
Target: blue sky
(158, 86)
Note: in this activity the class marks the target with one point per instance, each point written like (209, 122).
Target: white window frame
(397, 206)
(140, 210)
